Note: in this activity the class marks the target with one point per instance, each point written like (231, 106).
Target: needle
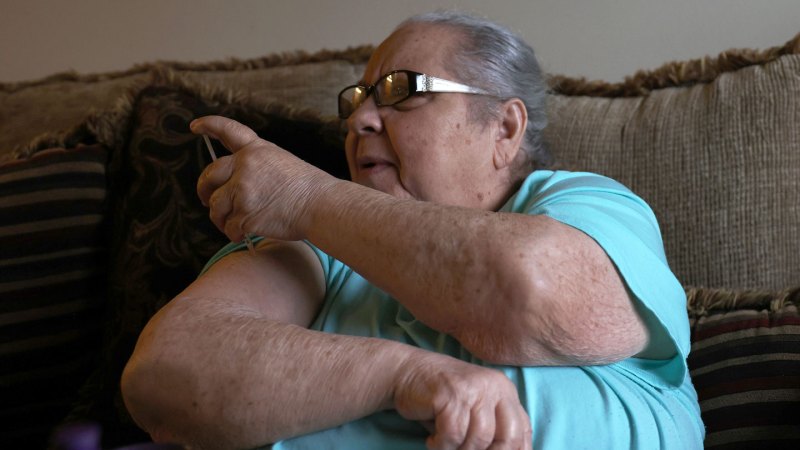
(247, 239)
(210, 147)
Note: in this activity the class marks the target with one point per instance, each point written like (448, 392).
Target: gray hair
(498, 61)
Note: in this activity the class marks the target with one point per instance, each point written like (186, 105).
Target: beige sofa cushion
(713, 146)
(62, 101)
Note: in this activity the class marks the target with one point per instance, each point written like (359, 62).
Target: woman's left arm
(512, 288)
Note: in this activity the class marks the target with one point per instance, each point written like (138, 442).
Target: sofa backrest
(711, 144)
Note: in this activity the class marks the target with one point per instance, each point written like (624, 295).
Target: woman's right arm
(230, 363)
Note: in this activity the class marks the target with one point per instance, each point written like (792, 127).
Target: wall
(599, 39)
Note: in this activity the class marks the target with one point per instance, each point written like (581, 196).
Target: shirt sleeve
(627, 230)
(227, 249)
(330, 266)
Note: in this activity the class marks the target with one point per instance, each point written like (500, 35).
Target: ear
(510, 132)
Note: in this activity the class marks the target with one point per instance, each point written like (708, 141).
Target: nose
(365, 119)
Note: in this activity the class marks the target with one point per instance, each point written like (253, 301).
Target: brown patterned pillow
(162, 235)
(745, 365)
(53, 261)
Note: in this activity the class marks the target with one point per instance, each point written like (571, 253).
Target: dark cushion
(162, 235)
(745, 365)
(53, 263)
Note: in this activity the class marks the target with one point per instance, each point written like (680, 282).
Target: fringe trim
(218, 94)
(113, 127)
(353, 55)
(701, 301)
(108, 127)
(673, 74)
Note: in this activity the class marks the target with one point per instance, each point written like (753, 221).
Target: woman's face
(427, 147)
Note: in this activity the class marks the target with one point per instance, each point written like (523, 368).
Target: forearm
(256, 382)
(510, 287)
(413, 250)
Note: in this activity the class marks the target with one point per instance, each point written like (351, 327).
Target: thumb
(233, 134)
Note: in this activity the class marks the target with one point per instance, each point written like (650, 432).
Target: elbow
(589, 328)
(575, 308)
(589, 342)
(554, 344)
(158, 398)
(138, 394)
(146, 399)
(543, 324)
(155, 388)
(173, 391)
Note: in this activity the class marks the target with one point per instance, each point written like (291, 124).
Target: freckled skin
(428, 149)
(452, 161)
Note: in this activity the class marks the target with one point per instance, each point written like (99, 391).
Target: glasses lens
(350, 99)
(393, 88)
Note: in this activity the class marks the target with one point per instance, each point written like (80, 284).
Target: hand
(259, 189)
(471, 407)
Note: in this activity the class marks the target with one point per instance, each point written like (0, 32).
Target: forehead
(418, 47)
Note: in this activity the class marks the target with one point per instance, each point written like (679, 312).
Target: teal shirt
(635, 403)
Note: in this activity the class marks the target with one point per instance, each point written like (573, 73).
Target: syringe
(247, 238)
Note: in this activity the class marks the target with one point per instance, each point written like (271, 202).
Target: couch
(100, 225)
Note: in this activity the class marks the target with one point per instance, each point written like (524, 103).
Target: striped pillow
(52, 286)
(745, 364)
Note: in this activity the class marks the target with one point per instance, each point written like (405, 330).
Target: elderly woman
(449, 296)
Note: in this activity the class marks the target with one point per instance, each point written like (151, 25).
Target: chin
(395, 190)
(379, 181)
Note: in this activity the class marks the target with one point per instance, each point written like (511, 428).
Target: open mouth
(368, 163)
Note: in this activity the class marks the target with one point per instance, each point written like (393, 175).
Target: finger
(528, 434)
(451, 429)
(481, 429)
(233, 229)
(527, 430)
(510, 431)
(233, 134)
(213, 177)
(429, 425)
(220, 206)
